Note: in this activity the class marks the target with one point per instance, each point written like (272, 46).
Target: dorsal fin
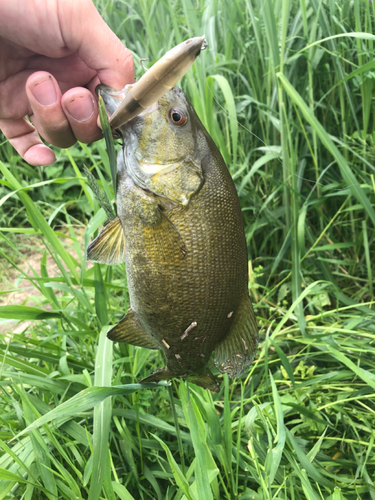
(109, 246)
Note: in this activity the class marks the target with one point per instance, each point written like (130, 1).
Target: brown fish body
(186, 256)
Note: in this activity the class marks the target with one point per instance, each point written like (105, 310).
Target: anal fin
(129, 330)
(236, 352)
(109, 246)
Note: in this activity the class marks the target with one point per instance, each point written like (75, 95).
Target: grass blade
(102, 415)
(345, 170)
(107, 132)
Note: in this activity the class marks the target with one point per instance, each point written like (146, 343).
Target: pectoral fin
(109, 246)
(161, 236)
(129, 330)
(236, 352)
(165, 239)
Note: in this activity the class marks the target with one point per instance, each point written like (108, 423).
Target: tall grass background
(286, 91)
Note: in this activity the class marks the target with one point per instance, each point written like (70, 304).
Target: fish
(157, 80)
(180, 232)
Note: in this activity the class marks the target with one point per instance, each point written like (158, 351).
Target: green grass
(286, 91)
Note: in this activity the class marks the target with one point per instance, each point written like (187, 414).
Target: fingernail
(45, 92)
(81, 108)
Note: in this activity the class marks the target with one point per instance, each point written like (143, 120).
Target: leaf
(121, 491)
(100, 194)
(100, 298)
(212, 417)
(107, 132)
(277, 451)
(290, 311)
(255, 167)
(23, 313)
(9, 476)
(177, 474)
(362, 36)
(305, 463)
(83, 401)
(198, 436)
(284, 361)
(365, 375)
(40, 225)
(40, 448)
(231, 106)
(345, 170)
(102, 415)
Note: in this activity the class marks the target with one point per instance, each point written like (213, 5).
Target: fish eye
(178, 117)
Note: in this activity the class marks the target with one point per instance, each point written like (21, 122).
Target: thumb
(84, 31)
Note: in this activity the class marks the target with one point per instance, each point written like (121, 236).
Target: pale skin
(53, 53)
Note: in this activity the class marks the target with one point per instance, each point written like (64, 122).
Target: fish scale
(186, 255)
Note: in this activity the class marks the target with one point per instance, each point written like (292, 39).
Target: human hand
(53, 53)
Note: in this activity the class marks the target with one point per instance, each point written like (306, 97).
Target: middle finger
(81, 109)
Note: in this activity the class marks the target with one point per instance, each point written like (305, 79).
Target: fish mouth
(111, 97)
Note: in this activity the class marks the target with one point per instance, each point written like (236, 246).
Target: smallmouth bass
(180, 232)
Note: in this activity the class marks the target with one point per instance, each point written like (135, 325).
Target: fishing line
(313, 181)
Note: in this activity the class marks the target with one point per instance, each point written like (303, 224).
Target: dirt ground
(21, 291)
